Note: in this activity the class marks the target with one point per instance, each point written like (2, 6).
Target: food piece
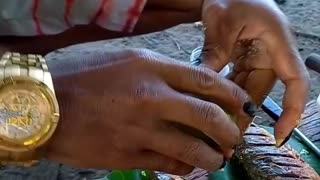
(263, 161)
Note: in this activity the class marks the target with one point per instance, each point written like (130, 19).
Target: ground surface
(178, 43)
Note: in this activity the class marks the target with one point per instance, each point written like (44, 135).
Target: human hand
(255, 36)
(117, 111)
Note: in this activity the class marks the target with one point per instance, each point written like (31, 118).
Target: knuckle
(191, 150)
(142, 55)
(204, 78)
(141, 95)
(238, 94)
(207, 114)
(212, 115)
(144, 95)
(138, 53)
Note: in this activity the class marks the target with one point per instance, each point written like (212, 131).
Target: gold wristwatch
(29, 111)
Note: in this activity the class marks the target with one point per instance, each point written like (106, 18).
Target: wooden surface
(310, 126)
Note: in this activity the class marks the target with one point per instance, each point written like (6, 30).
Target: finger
(291, 70)
(240, 79)
(259, 83)
(175, 144)
(293, 107)
(149, 160)
(203, 116)
(204, 83)
(254, 73)
(220, 36)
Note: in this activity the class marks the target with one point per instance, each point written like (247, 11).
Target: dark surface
(280, 2)
(313, 62)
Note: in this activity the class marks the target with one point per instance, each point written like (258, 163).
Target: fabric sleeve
(47, 17)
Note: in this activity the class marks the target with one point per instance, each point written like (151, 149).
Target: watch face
(25, 113)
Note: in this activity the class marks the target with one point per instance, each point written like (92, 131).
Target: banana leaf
(232, 171)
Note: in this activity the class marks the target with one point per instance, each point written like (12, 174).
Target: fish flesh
(263, 161)
(259, 157)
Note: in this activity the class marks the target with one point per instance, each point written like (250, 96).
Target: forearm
(44, 44)
(162, 14)
(157, 15)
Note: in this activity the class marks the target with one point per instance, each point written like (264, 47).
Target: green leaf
(129, 175)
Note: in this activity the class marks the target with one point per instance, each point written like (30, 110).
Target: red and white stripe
(41, 17)
(133, 15)
(68, 11)
(83, 11)
(35, 16)
(121, 15)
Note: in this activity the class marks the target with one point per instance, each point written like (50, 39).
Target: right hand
(117, 109)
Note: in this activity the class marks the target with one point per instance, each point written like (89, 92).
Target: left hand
(255, 36)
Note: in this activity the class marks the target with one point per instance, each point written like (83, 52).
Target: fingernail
(250, 109)
(281, 142)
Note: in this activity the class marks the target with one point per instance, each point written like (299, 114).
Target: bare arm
(157, 15)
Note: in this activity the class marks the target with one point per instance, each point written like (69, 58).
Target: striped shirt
(47, 17)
